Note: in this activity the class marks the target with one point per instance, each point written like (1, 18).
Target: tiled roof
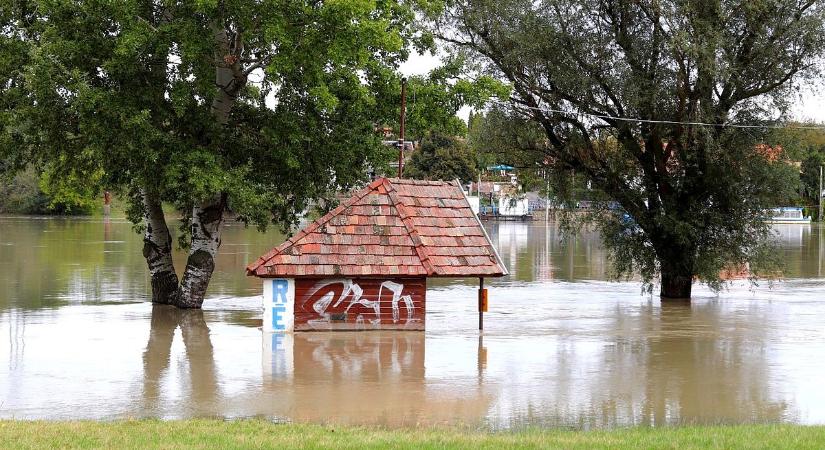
(394, 227)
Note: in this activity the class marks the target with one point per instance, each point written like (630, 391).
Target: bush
(24, 194)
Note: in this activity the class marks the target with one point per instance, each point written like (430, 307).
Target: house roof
(395, 227)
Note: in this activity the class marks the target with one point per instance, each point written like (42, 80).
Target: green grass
(261, 434)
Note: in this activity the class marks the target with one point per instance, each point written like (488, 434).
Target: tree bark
(677, 279)
(157, 249)
(230, 77)
(207, 219)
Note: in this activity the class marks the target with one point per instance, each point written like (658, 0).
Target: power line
(671, 122)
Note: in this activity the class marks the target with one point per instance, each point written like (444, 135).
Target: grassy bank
(261, 434)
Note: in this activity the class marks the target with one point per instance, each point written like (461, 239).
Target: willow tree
(691, 186)
(214, 106)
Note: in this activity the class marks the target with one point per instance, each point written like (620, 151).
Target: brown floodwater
(562, 345)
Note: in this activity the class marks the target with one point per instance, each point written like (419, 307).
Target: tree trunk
(207, 219)
(230, 76)
(677, 280)
(157, 249)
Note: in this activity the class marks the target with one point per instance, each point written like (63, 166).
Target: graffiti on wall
(363, 303)
(280, 289)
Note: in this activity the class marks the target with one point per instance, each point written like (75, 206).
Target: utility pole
(402, 126)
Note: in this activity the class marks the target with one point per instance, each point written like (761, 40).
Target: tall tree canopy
(433, 100)
(212, 106)
(694, 193)
(443, 157)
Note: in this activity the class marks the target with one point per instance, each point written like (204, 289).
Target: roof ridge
(313, 226)
(405, 219)
(410, 181)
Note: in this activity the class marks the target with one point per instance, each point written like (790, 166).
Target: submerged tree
(641, 98)
(214, 106)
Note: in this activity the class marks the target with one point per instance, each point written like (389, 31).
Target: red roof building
(367, 260)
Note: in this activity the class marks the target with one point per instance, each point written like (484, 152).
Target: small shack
(365, 264)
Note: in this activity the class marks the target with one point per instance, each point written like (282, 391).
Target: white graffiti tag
(396, 289)
(352, 294)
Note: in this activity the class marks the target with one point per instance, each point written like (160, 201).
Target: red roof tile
(391, 227)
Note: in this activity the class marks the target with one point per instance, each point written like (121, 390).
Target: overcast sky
(810, 105)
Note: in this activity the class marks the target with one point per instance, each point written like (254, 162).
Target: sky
(809, 107)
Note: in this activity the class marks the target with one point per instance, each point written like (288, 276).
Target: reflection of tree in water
(203, 389)
(674, 364)
(16, 321)
(707, 366)
(686, 363)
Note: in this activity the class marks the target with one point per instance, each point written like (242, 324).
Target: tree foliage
(434, 100)
(803, 144)
(27, 192)
(692, 195)
(130, 87)
(442, 157)
(213, 106)
(506, 139)
(498, 137)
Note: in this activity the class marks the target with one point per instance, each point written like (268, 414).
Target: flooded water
(561, 346)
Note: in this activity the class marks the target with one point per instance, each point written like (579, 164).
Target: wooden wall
(360, 303)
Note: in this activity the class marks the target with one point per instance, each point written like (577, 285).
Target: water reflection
(602, 362)
(203, 391)
(362, 378)
(535, 251)
(55, 262)
(561, 346)
(693, 365)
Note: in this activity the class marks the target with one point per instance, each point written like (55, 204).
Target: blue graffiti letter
(279, 291)
(277, 317)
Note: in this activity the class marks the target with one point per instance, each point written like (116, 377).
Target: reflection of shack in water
(358, 378)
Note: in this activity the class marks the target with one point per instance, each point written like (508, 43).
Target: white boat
(787, 215)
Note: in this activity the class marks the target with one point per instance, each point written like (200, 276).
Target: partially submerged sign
(364, 265)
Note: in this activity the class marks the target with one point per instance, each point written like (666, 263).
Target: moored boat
(787, 215)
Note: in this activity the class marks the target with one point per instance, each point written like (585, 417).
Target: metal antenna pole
(402, 127)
